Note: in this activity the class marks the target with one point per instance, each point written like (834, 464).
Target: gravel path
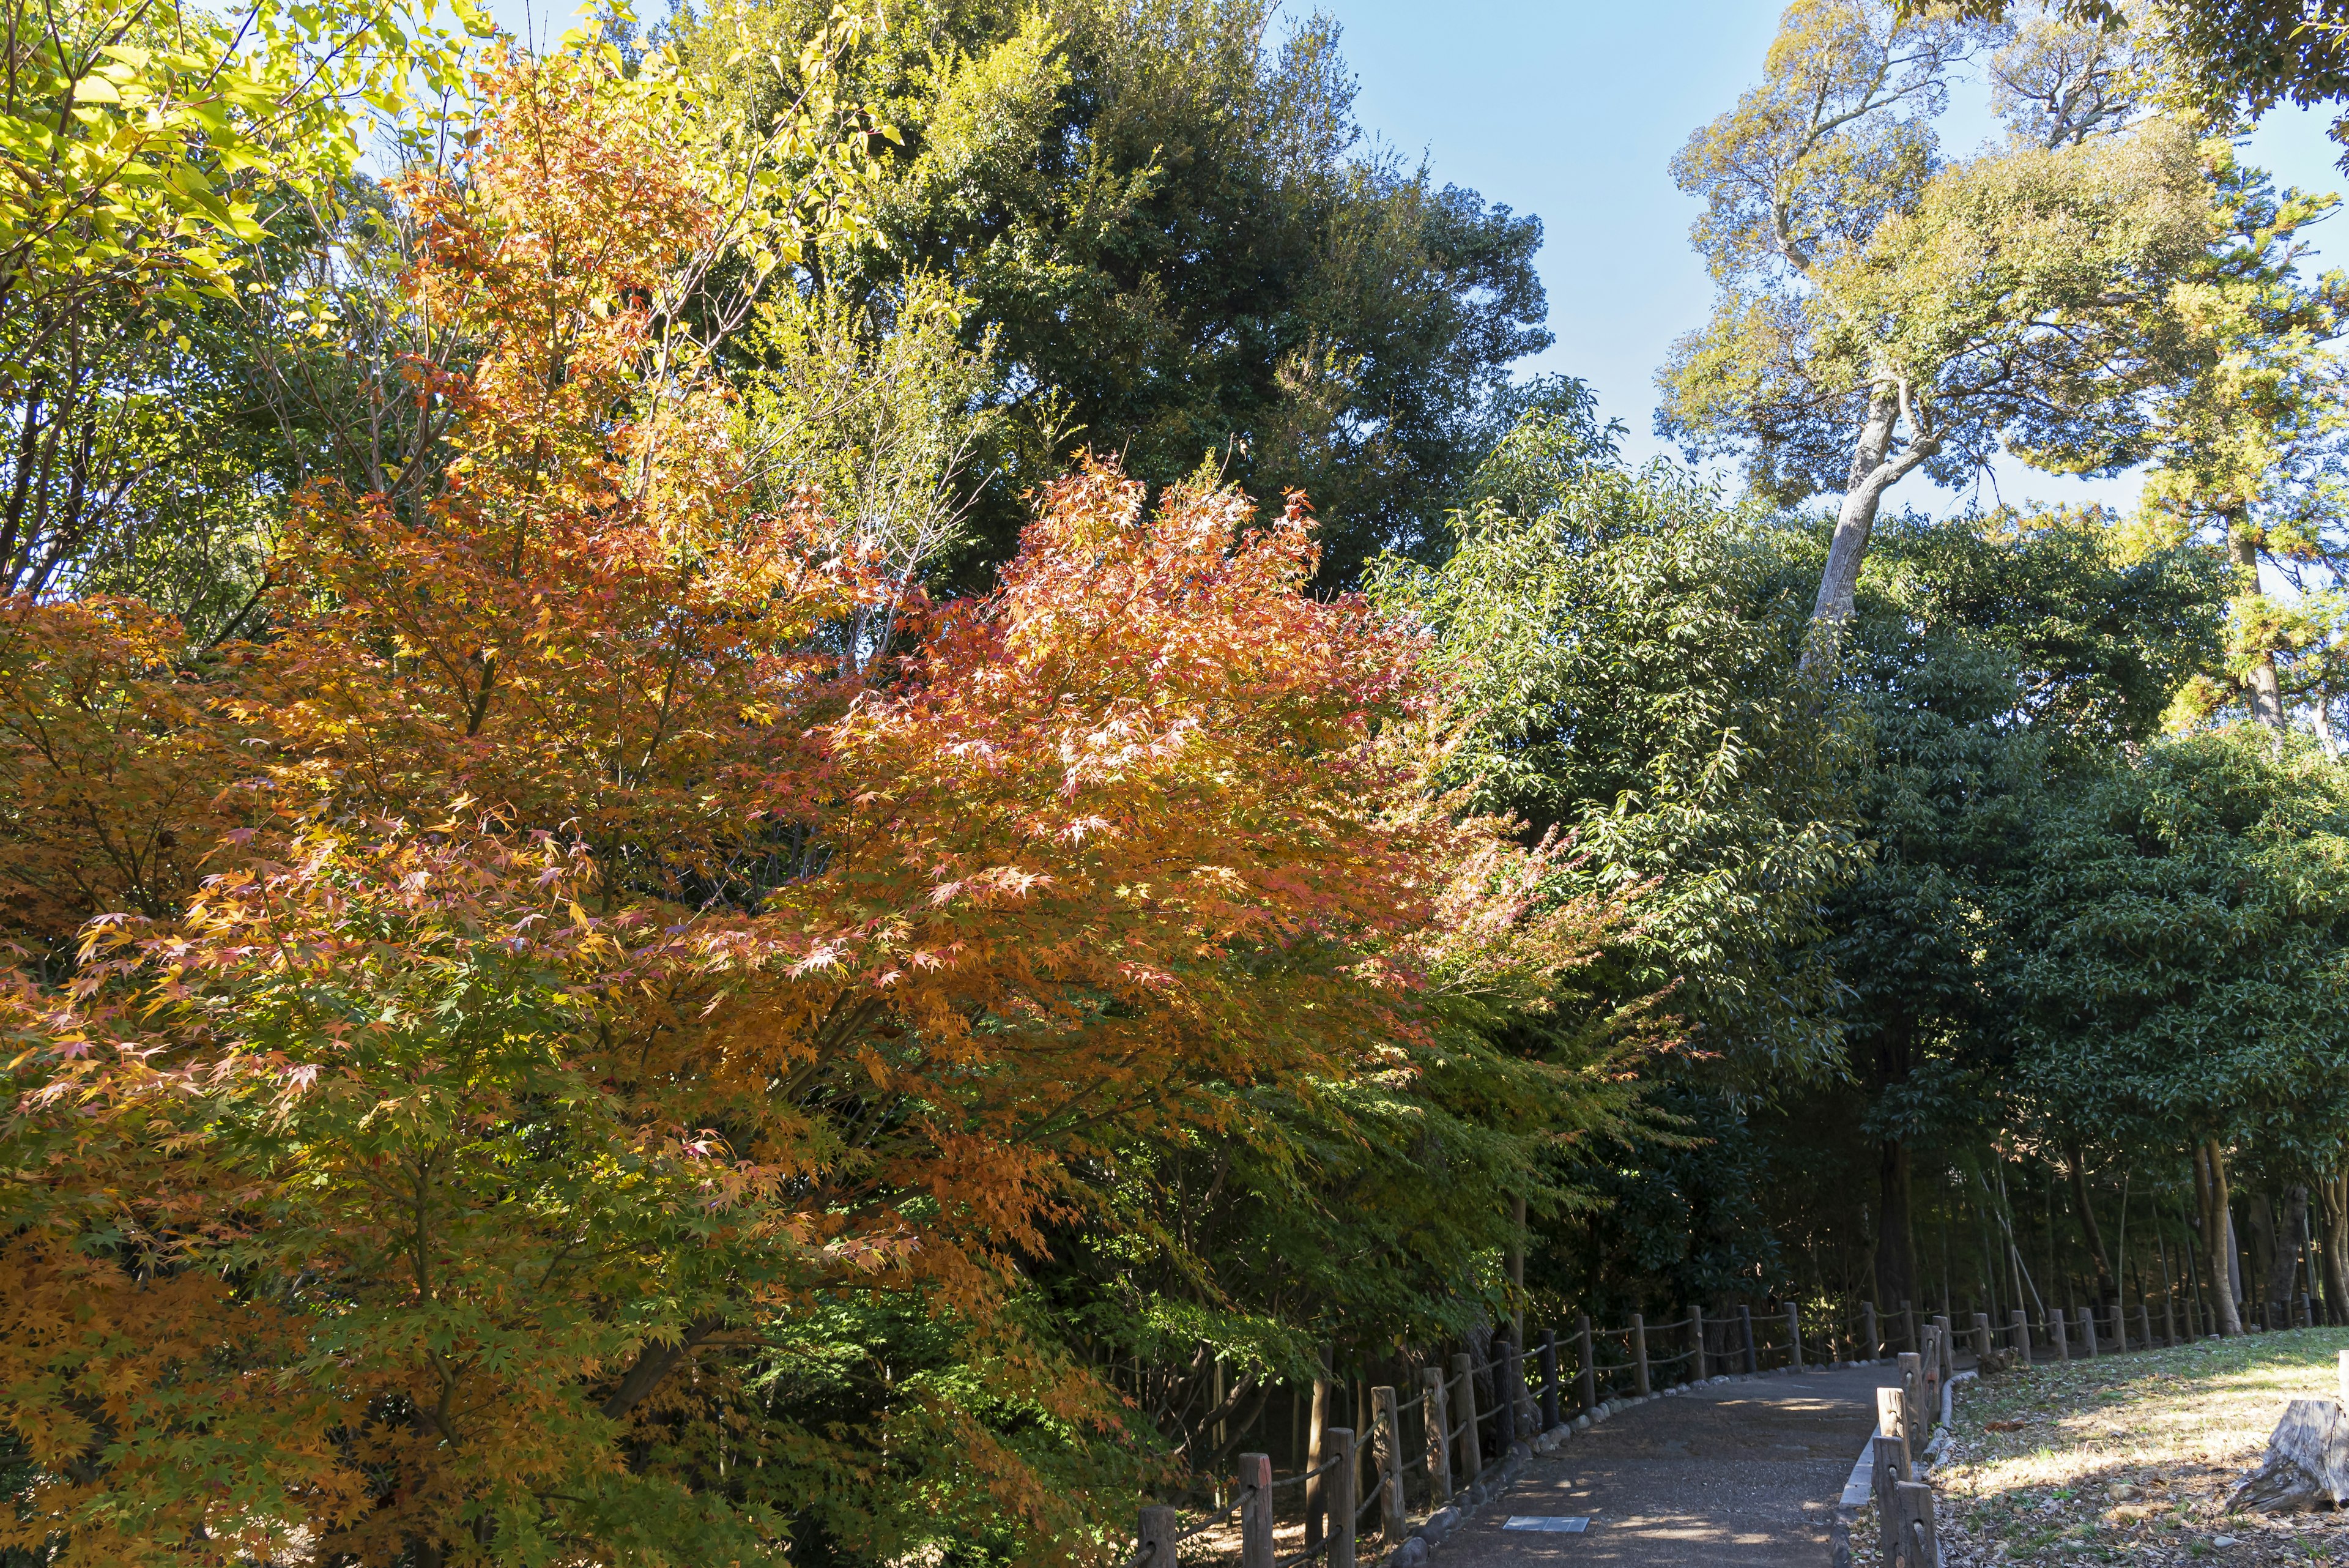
(1743, 1472)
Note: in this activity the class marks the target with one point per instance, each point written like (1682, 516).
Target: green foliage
(2180, 949)
(1626, 648)
(1180, 248)
(2018, 293)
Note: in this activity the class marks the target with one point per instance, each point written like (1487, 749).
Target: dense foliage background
(808, 786)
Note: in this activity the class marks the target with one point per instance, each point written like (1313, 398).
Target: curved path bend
(1732, 1473)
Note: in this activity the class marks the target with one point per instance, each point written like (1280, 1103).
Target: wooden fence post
(1156, 1532)
(1317, 1448)
(1588, 1375)
(1341, 1496)
(2145, 1324)
(1885, 1472)
(1892, 1432)
(2055, 1322)
(1640, 1354)
(1913, 1543)
(1386, 1448)
(1912, 1388)
(1472, 1447)
(1981, 1335)
(2088, 1331)
(1437, 1417)
(1745, 1336)
(1945, 1364)
(1698, 1371)
(1868, 1332)
(1255, 1510)
(1549, 1379)
(2022, 1337)
(2169, 1317)
(1794, 1336)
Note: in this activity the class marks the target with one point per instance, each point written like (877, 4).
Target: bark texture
(2218, 1233)
(1875, 469)
(2334, 1194)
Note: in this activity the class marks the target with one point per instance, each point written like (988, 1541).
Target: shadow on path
(1743, 1472)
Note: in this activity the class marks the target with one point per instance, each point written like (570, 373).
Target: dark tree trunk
(2335, 1195)
(2107, 1289)
(2283, 1261)
(2260, 1220)
(1896, 1254)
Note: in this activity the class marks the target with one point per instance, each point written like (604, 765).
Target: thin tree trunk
(2219, 1234)
(2334, 1192)
(2259, 1219)
(2076, 1168)
(2283, 1261)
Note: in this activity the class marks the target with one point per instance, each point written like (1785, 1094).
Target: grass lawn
(2128, 1458)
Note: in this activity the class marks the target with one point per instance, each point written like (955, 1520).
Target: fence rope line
(1579, 1372)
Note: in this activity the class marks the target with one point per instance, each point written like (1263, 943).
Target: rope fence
(1370, 1485)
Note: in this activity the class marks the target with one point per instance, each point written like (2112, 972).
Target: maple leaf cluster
(464, 1034)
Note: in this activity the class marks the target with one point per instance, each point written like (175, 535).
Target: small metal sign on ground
(1553, 1524)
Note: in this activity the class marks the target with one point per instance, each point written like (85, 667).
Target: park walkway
(1731, 1473)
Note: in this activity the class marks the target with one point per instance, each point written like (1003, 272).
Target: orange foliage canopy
(600, 961)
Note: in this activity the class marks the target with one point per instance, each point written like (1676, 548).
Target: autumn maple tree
(601, 962)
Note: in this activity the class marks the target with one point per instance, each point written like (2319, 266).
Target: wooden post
(1549, 1379)
(1794, 1336)
(1437, 1417)
(1745, 1336)
(2169, 1317)
(1885, 1471)
(1386, 1448)
(2088, 1331)
(2055, 1325)
(1981, 1335)
(1912, 1387)
(1640, 1354)
(1873, 1341)
(1945, 1366)
(1912, 1542)
(2022, 1337)
(1156, 1530)
(1255, 1510)
(2145, 1325)
(1698, 1371)
(1341, 1496)
(1317, 1487)
(1892, 1431)
(1472, 1447)
(1589, 1374)
(1909, 1326)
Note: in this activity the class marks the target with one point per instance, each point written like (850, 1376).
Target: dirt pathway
(1743, 1472)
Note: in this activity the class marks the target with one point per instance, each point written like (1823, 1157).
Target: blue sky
(1571, 109)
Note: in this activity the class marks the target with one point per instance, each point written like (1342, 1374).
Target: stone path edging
(1431, 1532)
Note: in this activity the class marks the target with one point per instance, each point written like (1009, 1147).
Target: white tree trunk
(1873, 471)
